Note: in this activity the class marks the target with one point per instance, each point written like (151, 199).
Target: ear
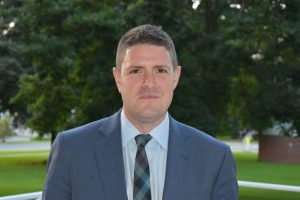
(177, 73)
(117, 77)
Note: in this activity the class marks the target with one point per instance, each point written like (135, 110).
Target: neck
(145, 125)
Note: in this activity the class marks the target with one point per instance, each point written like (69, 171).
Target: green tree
(6, 128)
(11, 66)
(263, 45)
(69, 47)
(239, 60)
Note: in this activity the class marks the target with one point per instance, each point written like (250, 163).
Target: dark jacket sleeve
(226, 186)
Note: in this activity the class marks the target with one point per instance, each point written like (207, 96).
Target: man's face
(146, 83)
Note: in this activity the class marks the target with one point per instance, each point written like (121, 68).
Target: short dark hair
(145, 34)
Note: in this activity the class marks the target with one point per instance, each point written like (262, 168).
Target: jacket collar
(111, 165)
(176, 171)
(110, 158)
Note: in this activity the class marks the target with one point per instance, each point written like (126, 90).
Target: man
(141, 152)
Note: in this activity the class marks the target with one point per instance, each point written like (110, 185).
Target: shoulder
(83, 132)
(198, 140)
(80, 140)
(90, 132)
(203, 149)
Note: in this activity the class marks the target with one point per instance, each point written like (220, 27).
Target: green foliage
(10, 70)
(263, 46)
(6, 128)
(239, 66)
(11, 66)
(69, 45)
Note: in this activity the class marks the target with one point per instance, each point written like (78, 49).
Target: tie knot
(142, 139)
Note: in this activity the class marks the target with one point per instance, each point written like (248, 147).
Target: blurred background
(240, 79)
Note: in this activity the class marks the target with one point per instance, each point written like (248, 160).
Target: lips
(149, 96)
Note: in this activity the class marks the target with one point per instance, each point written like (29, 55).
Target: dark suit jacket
(86, 163)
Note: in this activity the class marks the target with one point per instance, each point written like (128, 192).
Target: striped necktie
(141, 185)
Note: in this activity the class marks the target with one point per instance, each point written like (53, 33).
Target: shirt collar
(160, 133)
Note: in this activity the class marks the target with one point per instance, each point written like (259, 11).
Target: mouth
(149, 96)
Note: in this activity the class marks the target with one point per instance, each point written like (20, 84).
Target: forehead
(147, 53)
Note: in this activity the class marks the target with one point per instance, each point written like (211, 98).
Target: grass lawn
(23, 172)
(260, 194)
(248, 169)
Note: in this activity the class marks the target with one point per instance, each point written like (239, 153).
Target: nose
(149, 79)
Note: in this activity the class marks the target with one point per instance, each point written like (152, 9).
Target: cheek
(170, 84)
(167, 95)
(128, 88)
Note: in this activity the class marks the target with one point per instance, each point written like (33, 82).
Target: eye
(161, 70)
(135, 71)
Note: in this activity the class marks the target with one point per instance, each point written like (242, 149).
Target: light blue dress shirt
(156, 150)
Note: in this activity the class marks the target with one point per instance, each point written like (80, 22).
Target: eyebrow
(167, 67)
(161, 66)
(133, 67)
(141, 67)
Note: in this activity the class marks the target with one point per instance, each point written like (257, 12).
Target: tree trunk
(210, 16)
(53, 136)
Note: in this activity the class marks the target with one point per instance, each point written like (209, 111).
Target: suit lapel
(177, 160)
(110, 159)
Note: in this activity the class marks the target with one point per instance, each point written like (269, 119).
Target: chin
(151, 116)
